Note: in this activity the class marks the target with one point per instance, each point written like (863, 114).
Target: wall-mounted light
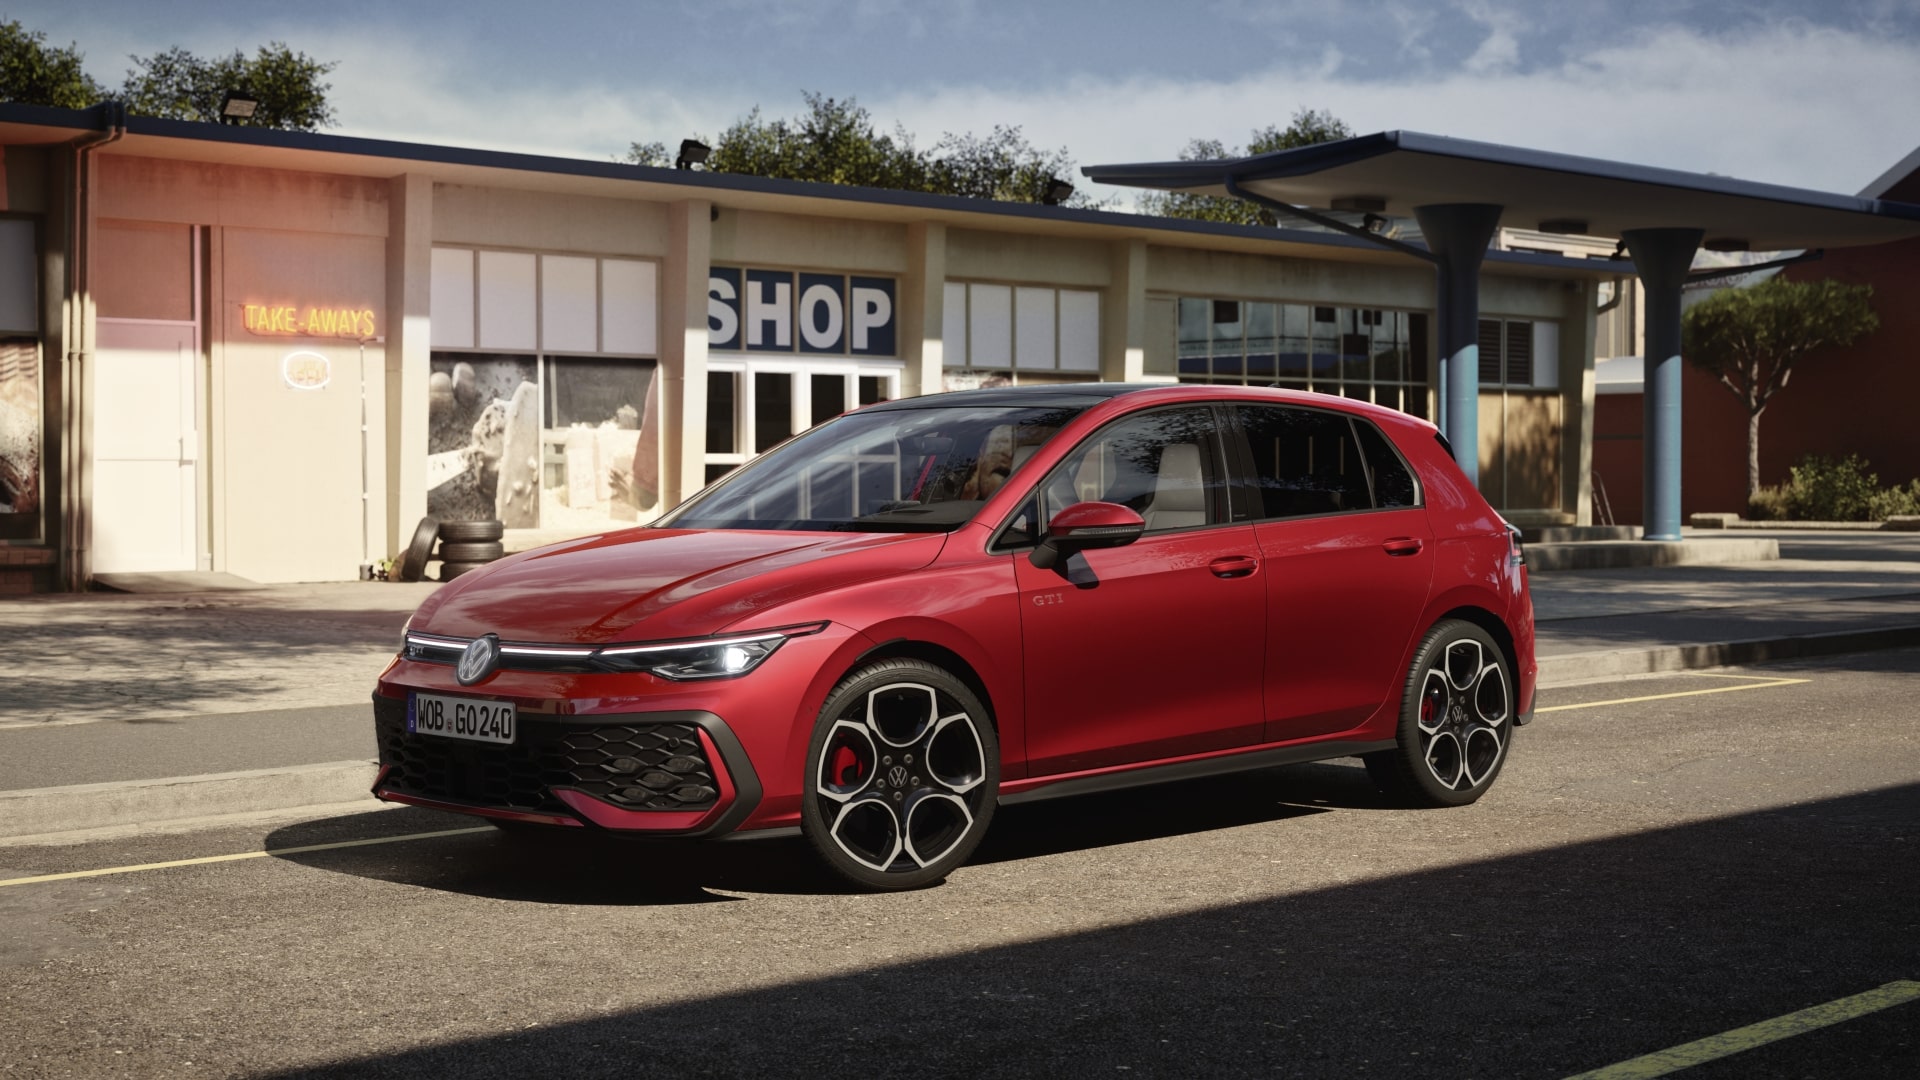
(237, 106)
(692, 152)
(1374, 224)
(1055, 191)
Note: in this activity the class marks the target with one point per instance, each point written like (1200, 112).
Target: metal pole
(1662, 258)
(1458, 234)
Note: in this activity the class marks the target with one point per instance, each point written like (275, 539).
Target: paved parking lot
(1666, 859)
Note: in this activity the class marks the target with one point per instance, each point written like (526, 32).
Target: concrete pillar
(401, 456)
(1662, 258)
(683, 348)
(923, 310)
(1123, 314)
(1458, 234)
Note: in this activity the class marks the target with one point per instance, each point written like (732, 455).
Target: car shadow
(459, 854)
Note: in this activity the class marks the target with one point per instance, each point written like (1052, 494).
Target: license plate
(461, 718)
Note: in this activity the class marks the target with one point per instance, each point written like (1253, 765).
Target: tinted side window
(1305, 461)
(1161, 464)
(1392, 481)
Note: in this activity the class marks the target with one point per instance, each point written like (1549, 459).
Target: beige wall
(496, 217)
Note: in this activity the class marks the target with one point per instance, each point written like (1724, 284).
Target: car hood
(660, 584)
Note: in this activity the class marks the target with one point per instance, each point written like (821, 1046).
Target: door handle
(1402, 545)
(1233, 566)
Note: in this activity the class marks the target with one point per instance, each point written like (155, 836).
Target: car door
(1349, 559)
(1151, 650)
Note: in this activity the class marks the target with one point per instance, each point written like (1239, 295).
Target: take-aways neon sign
(288, 320)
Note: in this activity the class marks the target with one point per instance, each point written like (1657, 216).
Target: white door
(145, 445)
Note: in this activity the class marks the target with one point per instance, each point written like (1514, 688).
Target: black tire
(1456, 720)
(413, 564)
(471, 532)
(451, 570)
(469, 552)
(903, 773)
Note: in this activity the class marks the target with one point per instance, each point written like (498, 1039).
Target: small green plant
(1767, 504)
(1895, 501)
(1831, 489)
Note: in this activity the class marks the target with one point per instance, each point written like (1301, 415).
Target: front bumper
(677, 773)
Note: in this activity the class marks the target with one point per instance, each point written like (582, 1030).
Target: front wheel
(1456, 720)
(903, 773)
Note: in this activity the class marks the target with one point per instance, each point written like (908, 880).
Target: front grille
(638, 766)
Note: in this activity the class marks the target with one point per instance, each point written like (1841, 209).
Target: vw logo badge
(897, 776)
(478, 661)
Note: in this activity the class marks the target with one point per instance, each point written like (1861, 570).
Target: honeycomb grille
(636, 766)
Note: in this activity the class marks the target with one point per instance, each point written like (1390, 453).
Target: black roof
(1075, 395)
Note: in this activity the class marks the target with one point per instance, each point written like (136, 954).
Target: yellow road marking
(1766, 685)
(1715, 1047)
(205, 860)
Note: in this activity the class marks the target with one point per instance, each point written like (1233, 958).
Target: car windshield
(889, 470)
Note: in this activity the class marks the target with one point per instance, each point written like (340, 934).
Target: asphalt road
(1646, 873)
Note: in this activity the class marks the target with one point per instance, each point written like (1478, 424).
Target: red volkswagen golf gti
(893, 623)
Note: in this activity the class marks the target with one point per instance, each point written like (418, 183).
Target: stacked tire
(463, 546)
(469, 545)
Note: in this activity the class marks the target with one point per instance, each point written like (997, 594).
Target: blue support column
(1662, 258)
(1457, 235)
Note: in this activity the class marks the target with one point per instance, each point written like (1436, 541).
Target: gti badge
(478, 660)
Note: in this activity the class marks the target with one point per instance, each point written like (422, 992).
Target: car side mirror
(1084, 527)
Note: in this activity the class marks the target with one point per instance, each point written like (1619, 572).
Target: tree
(177, 85)
(1308, 126)
(33, 74)
(1749, 339)
(835, 142)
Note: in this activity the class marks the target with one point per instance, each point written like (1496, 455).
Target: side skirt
(1129, 776)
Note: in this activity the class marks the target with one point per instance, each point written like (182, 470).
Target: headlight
(719, 658)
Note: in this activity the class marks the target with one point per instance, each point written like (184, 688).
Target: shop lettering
(286, 320)
(784, 311)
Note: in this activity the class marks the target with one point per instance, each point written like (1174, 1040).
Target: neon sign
(286, 320)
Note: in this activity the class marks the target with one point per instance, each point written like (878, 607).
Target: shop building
(271, 353)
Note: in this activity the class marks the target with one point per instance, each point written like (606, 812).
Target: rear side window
(1308, 462)
(1393, 484)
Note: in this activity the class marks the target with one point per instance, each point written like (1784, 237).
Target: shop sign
(784, 311)
(288, 320)
(306, 370)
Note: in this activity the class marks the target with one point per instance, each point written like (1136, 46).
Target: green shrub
(1895, 500)
(1768, 504)
(1831, 489)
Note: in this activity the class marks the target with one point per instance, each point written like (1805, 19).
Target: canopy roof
(1393, 172)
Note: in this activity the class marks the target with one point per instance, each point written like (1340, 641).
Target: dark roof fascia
(81, 121)
(1319, 157)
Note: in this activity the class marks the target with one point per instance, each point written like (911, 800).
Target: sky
(1817, 95)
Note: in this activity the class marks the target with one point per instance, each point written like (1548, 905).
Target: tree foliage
(1308, 126)
(835, 142)
(1750, 339)
(177, 85)
(32, 73)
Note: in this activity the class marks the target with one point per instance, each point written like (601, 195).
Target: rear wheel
(1456, 720)
(903, 773)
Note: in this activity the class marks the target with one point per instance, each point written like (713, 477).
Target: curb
(33, 811)
(1620, 554)
(1566, 669)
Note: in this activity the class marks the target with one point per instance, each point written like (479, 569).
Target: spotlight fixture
(1055, 191)
(237, 107)
(692, 152)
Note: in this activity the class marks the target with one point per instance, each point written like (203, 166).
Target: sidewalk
(120, 709)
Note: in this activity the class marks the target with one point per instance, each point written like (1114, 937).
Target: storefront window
(19, 438)
(1370, 354)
